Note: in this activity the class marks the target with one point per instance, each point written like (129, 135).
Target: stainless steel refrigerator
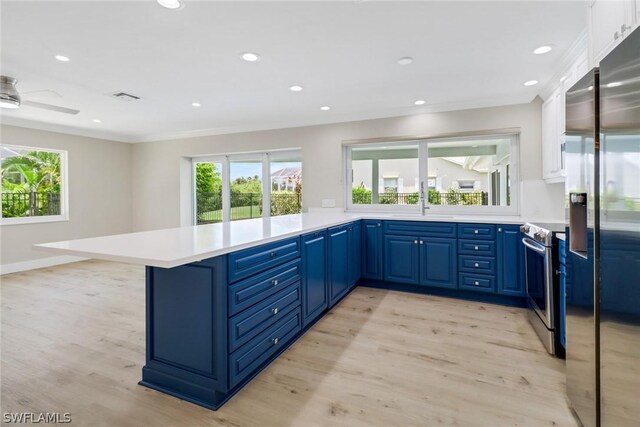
(602, 152)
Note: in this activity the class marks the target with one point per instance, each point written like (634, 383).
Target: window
(384, 174)
(33, 184)
(244, 186)
(465, 174)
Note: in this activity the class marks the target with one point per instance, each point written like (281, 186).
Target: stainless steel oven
(541, 286)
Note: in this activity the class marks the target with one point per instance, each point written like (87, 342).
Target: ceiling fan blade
(50, 107)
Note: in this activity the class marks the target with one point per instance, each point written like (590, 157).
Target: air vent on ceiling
(125, 96)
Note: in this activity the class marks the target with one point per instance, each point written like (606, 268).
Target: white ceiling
(466, 54)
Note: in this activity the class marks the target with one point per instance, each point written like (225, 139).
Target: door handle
(533, 247)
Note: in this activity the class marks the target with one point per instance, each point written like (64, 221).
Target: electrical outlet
(328, 203)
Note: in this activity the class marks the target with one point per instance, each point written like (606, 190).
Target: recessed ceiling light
(590, 88)
(325, 108)
(405, 60)
(195, 104)
(295, 88)
(250, 57)
(531, 83)
(420, 102)
(170, 4)
(62, 58)
(542, 49)
(614, 84)
(97, 121)
(563, 78)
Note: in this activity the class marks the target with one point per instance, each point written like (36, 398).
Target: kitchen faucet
(423, 199)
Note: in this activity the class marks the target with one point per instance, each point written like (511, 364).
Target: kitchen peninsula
(224, 300)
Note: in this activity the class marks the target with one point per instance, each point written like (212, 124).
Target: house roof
(292, 173)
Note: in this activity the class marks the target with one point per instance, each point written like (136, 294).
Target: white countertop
(177, 246)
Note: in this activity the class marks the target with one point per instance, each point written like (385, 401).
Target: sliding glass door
(245, 186)
(208, 179)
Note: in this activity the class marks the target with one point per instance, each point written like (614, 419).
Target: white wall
(156, 169)
(99, 176)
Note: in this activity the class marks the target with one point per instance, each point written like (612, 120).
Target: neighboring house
(285, 179)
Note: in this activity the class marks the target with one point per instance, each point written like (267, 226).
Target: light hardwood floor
(73, 341)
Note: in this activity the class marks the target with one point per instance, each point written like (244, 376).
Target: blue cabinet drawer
(477, 282)
(251, 322)
(259, 350)
(477, 247)
(254, 260)
(477, 231)
(475, 264)
(253, 290)
(420, 228)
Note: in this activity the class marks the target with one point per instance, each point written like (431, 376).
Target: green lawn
(240, 212)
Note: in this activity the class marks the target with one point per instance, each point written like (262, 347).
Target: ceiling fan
(10, 98)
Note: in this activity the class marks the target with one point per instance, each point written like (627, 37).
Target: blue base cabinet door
(510, 260)
(401, 261)
(355, 253)
(314, 275)
(338, 266)
(438, 262)
(372, 249)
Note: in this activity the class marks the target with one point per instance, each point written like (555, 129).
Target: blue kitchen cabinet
(315, 297)
(401, 261)
(438, 262)
(510, 261)
(562, 291)
(355, 253)
(372, 263)
(338, 265)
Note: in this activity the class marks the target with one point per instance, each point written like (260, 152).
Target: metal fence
(30, 204)
(435, 198)
(244, 206)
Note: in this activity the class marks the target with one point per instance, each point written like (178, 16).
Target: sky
(252, 169)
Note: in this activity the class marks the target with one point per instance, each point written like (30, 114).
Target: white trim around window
(512, 178)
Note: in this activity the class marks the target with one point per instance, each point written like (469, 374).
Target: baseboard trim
(38, 263)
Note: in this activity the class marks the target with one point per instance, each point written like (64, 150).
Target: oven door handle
(533, 247)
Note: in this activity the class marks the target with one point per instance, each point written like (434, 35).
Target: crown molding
(346, 118)
(58, 128)
(403, 112)
(579, 46)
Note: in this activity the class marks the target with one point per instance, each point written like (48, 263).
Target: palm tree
(39, 172)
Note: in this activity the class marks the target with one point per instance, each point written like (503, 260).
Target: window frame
(423, 172)
(64, 190)
(225, 160)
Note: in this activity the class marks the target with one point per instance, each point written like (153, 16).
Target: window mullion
(266, 186)
(226, 190)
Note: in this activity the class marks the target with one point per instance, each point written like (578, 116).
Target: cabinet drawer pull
(477, 265)
(274, 341)
(274, 282)
(379, 224)
(273, 254)
(415, 242)
(422, 242)
(499, 230)
(274, 310)
(476, 248)
(475, 231)
(476, 283)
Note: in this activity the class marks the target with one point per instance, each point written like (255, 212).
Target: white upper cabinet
(554, 120)
(610, 21)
